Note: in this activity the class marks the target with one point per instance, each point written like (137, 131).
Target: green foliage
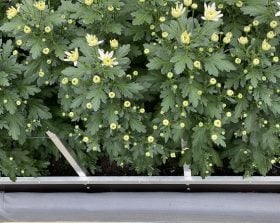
(131, 80)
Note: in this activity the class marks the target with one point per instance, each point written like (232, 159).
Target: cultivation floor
(141, 207)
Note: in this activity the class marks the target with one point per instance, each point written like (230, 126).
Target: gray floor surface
(141, 207)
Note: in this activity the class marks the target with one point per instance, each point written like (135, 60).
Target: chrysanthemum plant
(146, 81)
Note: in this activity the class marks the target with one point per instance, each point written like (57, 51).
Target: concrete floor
(141, 207)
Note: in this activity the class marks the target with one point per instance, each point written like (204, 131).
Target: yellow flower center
(73, 57)
(93, 41)
(108, 61)
(211, 14)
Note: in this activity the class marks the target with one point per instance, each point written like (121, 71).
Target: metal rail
(134, 180)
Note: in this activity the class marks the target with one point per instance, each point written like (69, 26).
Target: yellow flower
(256, 22)
(65, 80)
(48, 29)
(187, 2)
(111, 94)
(178, 10)
(194, 6)
(27, 29)
(247, 29)
(228, 114)
(243, 40)
(273, 24)
(215, 37)
(214, 137)
(46, 51)
(230, 92)
(185, 103)
(12, 12)
(270, 35)
(162, 19)
(172, 155)
(165, 122)
(110, 8)
(170, 75)
(199, 92)
(127, 104)
(151, 139)
(114, 43)
(41, 5)
(113, 126)
(72, 56)
(164, 34)
(89, 105)
(85, 139)
(217, 123)
(92, 40)
(107, 58)
(239, 4)
(266, 46)
(146, 51)
(71, 114)
(96, 79)
(197, 64)
(142, 110)
(213, 81)
(19, 42)
(126, 137)
(237, 60)
(275, 59)
(256, 61)
(75, 81)
(210, 13)
(89, 2)
(226, 39)
(186, 37)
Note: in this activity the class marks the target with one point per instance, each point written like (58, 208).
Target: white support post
(187, 171)
(186, 168)
(68, 154)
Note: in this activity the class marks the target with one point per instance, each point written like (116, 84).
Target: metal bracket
(68, 154)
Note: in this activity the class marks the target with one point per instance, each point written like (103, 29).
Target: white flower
(12, 11)
(92, 40)
(107, 58)
(178, 10)
(72, 56)
(210, 13)
(41, 5)
(278, 13)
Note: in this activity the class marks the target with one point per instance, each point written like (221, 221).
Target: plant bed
(124, 83)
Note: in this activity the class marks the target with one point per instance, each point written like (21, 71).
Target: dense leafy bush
(142, 82)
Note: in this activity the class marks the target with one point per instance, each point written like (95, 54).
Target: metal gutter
(138, 180)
